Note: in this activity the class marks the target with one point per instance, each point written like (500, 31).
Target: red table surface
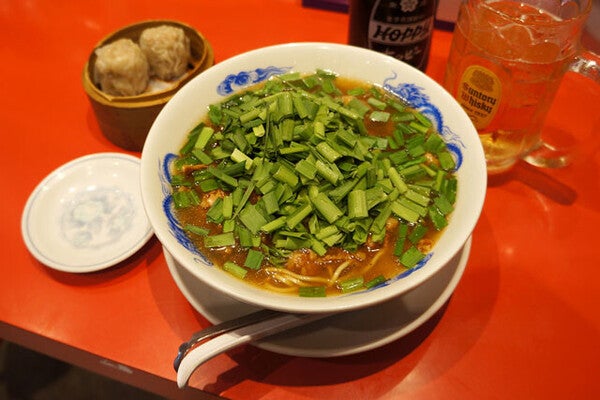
(523, 323)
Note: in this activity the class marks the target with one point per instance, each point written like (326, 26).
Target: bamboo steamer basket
(126, 120)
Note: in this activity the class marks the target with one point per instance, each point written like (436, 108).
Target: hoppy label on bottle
(399, 28)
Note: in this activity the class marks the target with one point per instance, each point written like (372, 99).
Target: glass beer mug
(505, 66)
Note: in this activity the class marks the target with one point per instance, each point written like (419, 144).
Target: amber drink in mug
(505, 66)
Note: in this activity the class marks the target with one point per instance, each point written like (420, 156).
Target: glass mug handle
(587, 64)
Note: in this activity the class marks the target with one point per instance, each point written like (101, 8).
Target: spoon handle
(228, 340)
(223, 327)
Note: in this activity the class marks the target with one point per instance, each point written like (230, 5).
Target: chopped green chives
(374, 196)
(227, 207)
(381, 219)
(417, 233)
(229, 225)
(319, 129)
(411, 205)
(250, 115)
(327, 172)
(238, 156)
(235, 270)
(254, 259)
(293, 149)
(245, 237)
(448, 189)
(274, 224)
(401, 239)
(416, 151)
(306, 169)
(252, 218)
(318, 247)
(285, 104)
(438, 218)
(298, 215)
(218, 153)
(222, 176)
(378, 280)
(356, 91)
(348, 138)
(290, 76)
(377, 103)
(411, 257)
(417, 197)
(220, 240)
(202, 156)
(443, 205)
(185, 198)
(204, 137)
(357, 204)
(397, 180)
(338, 193)
(286, 175)
(412, 172)
(215, 212)
(327, 208)
(312, 291)
(379, 116)
(299, 170)
(197, 230)
(270, 201)
(404, 212)
(191, 139)
(180, 180)
(352, 284)
(446, 160)
(359, 106)
(423, 119)
(327, 231)
(244, 199)
(434, 143)
(345, 111)
(299, 106)
(419, 126)
(328, 152)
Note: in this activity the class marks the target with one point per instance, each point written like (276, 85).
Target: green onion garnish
(291, 166)
(312, 291)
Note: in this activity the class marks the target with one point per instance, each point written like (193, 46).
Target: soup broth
(314, 185)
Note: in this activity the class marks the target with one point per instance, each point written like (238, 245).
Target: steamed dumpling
(121, 68)
(167, 49)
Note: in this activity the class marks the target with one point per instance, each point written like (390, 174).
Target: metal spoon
(218, 329)
(251, 328)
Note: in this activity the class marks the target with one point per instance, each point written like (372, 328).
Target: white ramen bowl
(190, 104)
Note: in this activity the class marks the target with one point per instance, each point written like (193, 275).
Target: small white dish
(87, 215)
(344, 334)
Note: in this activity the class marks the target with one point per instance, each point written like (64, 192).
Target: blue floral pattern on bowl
(234, 82)
(168, 208)
(414, 95)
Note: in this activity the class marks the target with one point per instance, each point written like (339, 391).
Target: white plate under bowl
(343, 334)
(87, 215)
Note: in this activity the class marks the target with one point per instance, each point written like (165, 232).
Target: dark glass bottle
(400, 28)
